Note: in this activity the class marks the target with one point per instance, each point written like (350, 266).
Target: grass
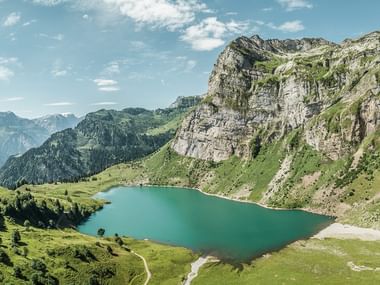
(168, 265)
(57, 250)
(227, 177)
(269, 66)
(72, 258)
(304, 262)
(306, 161)
(310, 262)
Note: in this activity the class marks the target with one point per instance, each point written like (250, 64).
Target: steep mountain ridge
(100, 140)
(288, 45)
(298, 129)
(265, 89)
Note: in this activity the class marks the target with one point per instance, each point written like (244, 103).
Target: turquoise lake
(211, 225)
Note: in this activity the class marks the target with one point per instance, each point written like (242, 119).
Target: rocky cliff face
(260, 90)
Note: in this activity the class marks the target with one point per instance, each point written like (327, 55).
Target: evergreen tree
(17, 272)
(16, 237)
(101, 232)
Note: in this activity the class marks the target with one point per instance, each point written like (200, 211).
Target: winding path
(148, 273)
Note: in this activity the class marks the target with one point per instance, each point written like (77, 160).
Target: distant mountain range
(57, 122)
(18, 135)
(101, 139)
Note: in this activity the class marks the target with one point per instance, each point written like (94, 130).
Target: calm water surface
(188, 218)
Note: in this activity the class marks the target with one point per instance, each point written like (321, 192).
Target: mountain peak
(8, 114)
(185, 101)
(56, 122)
(373, 37)
(286, 45)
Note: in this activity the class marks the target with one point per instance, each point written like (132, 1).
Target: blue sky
(77, 56)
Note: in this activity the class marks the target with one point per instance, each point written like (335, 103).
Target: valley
(287, 124)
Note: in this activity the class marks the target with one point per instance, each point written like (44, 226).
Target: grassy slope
(169, 265)
(304, 262)
(56, 248)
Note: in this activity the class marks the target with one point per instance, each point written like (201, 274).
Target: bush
(17, 272)
(38, 265)
(109, 249)
(16, 237)
(101, 232)
(4, 258)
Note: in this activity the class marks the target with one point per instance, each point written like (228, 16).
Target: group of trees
(118, 239)
(24, 209)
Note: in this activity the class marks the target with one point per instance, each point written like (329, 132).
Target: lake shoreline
(205, 249)
(308, 210)
(342, 231)
(334, 230)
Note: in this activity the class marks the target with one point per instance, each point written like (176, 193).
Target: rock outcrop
(260, 90)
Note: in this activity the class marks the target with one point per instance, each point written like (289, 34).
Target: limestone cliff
(260, 90)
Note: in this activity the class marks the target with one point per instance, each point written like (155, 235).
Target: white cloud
(57, 37)
(210, 33)
(190, 64)
(13, 99)
(113, 67)
(49, 2)
(267, 9)
(9, 60)
(160, 13)
(107, 85)
(291, 27)
(5, 73)
(288, 27)
(59, 73)
(138, 76)
(12, 19)
(6, 67)
(60, 69)
(105, 82)
(104, 104)
(291, 5)
(28, 23)
(170, 14)
(138, 45)
(109, 89)
(59, 104)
